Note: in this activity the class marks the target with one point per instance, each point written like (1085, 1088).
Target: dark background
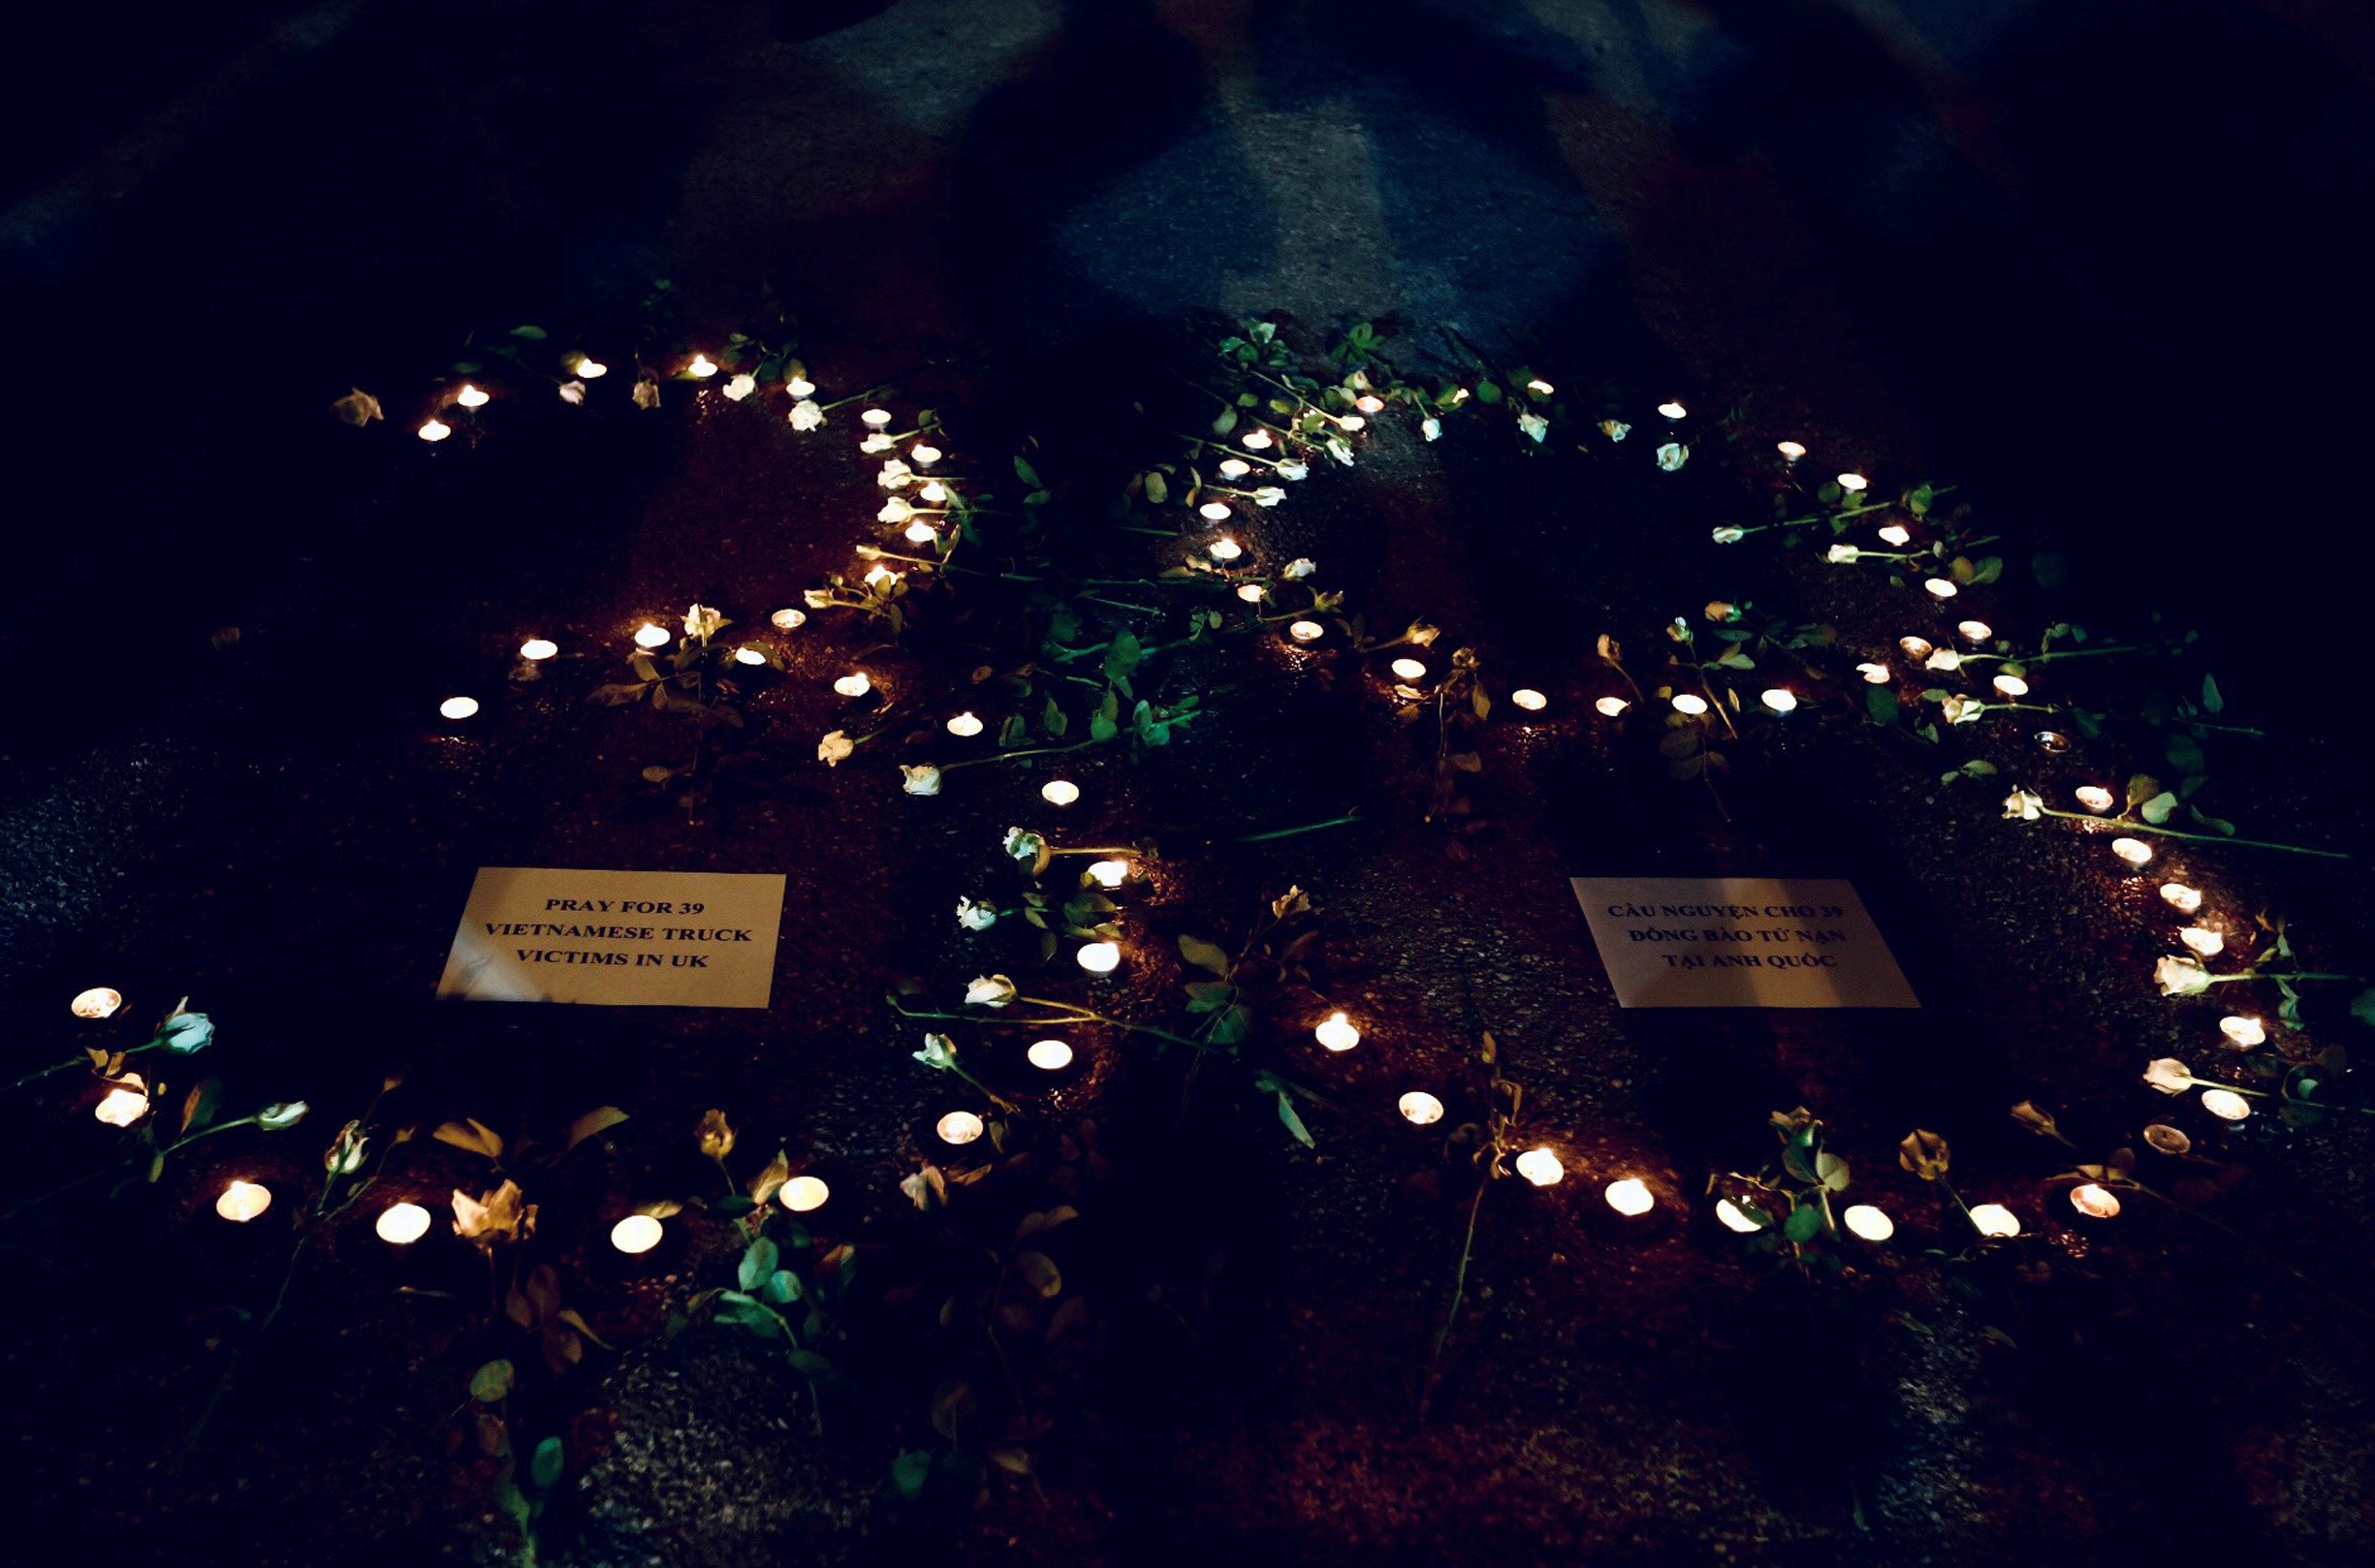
(2099, 262)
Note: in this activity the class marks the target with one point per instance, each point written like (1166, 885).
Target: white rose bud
(835, 747)
(2178, 975)
(2168, 1074)
(923, 779)
(806, 415)
(976, 917)
(989, 991)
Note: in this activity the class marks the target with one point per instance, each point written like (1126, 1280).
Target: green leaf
(531, 334)
(2213, 701)
(1294, 1122)
(1026, 473)
(1038, 1271)
(2156, 809)
(2184, 754)
(911, 1469)
(1881, 703)
(492, 1382)
(1804, 1224)
(1157, 489)
(543, 1466)
(1204, 955)
(757, 1266)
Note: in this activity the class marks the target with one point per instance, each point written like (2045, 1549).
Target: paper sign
(615, 938)
(1740, 942)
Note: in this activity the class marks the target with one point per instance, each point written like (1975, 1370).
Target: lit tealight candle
(1235, 468)
(875, 419)
(1544, 388)
(1896, 534)
(2011, 686)
(400, 1225)
(854, 685)
(1420, 1109)
(433, 429)
(1060, 791)
(801, 386)
(125, 1102)
(1854, 483)
(98, 1002)
(1049, 1055)
(921, 532)
(748, 655)
(636, 1233)
(1099, 958)
(1630, 1197)
(1108, 873)
(804, 1194)
(648, 636)
(1779, 699)
(1256, 440)
(959, 1127)
(1307, 631)
(590, 368)
(2093, 1201)
(2177, 894)
(1214, 511)
(786, 621)
(1867, 1223)
(1253, 593)
(1337, 1032)
(1915, 649)
(965, 726)
(1409, 669)
(1790, 451)
(1540, 1167)
(1730, 1215)
(2202, 941)
(1875, 674)
(925, 455)
(2132, 851)
(1976, 631)
(1609, 708)
(701, 367)
(1995, 1220)
(2093, 796)
(470, 396)
(537, 650)
(1527, 698)
(1672, 411)
(1225, 548)
(1940, 587)
(457, 708)
(243, 1201)
(2243, 1032)
(2053, 740)
(1686, 703)
(934, 492)
(2226, 1104)
(1370, 403)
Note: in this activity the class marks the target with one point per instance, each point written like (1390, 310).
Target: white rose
(1672, 456)
(1023, 845)
(939, 1050)
(1615, 429)
(989, 991)
(1431, 428)
(1534, 426)
(1269, 496)
(741, 386)
(2168, 1074)
(1962, 709)
(976, 917)
(895, 509)
(1301, 567)
(1295, 471)
(1728, 535)
(1842, 555)
(877, 442)
(2023, 804)
(573, 392)
(1942, 659)
(893, 475)
(806, 415)
(2178, 975)
(834, 747)
(920, 781)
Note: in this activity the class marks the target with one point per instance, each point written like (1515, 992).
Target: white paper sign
(615, 938)
(1740, 942)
